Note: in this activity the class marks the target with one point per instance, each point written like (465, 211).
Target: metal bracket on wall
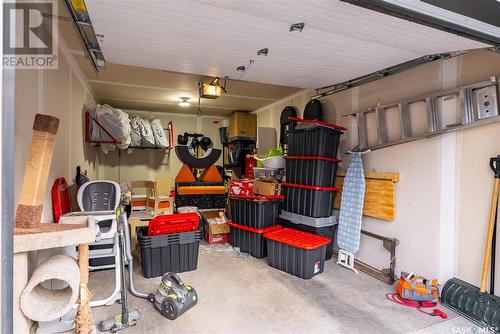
(478, 106)
(80, 18)
(385, 275)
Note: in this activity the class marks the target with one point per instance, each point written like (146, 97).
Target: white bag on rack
(135, 132)
(148, 139)
(159, 134)
(117, 124)
(124, 136)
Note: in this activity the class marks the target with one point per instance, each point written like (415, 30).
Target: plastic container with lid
(314, 138)
(255, 211)
(174, 223)
(321, 226)
(296, 252)
(311, 171)
(307, 200)
(268, 174)
(168, 253)
(250, 240)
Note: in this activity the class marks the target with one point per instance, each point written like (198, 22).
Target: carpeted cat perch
(40, 304)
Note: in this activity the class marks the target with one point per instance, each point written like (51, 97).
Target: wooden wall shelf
(380, 194)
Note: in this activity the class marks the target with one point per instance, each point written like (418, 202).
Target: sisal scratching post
(83, 321)
(29, 209)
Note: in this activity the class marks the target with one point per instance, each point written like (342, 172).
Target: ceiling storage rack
(478, 106)
(92, 121)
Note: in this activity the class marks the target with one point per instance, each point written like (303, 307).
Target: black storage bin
(325, 231)
(255, 211)
(311, 171)
(250, 240)
(176, 252)
(309, 201)
(203, 201)
(295, 252)
(321, 139)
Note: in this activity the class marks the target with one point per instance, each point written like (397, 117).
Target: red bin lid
(304, 157)
(303, 186)
(255, 230)
(258, 197)
(298, 238)
(319, 123)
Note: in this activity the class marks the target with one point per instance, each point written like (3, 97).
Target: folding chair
(161, 202)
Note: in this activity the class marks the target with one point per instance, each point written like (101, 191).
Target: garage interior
(203, 166)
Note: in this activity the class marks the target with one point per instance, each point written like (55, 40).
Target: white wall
(61, 93)
(269, 116)
(126, 166)
(443, 196)
(442, 199)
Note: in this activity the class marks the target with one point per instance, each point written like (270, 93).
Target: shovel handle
(489, 238)
(495, 166)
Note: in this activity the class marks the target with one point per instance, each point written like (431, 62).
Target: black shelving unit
(237, 165)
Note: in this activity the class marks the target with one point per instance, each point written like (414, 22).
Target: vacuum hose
(129, 257)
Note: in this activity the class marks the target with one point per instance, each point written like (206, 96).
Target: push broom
(472, 302)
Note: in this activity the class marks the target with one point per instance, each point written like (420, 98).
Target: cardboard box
(242, 124)
(240, 187)
(266, 188)
(217, 234)
(214, 233)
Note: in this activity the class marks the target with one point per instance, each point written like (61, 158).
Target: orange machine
(207, 192)
(198, 154)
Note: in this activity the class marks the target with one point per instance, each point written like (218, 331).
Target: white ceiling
(213, 37)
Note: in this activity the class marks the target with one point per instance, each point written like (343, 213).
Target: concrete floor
(238, 294)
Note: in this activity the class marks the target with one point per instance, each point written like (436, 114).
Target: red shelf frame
(89, 118)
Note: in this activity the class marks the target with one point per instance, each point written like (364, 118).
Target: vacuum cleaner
(171, 299)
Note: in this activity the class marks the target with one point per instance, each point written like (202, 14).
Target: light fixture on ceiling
(241, 68)
(263, 52)
(297, 27)
(184, 102)
(212, 90)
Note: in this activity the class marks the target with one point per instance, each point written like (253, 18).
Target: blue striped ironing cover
(351, 206)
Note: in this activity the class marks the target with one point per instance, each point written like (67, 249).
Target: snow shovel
(472, 302)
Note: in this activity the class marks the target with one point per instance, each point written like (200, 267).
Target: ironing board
(351, 212)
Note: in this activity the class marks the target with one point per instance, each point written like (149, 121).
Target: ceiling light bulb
(184, 103)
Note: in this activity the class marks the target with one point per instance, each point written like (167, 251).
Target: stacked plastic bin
(311, 167)
(252, 217)
(170, 244)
